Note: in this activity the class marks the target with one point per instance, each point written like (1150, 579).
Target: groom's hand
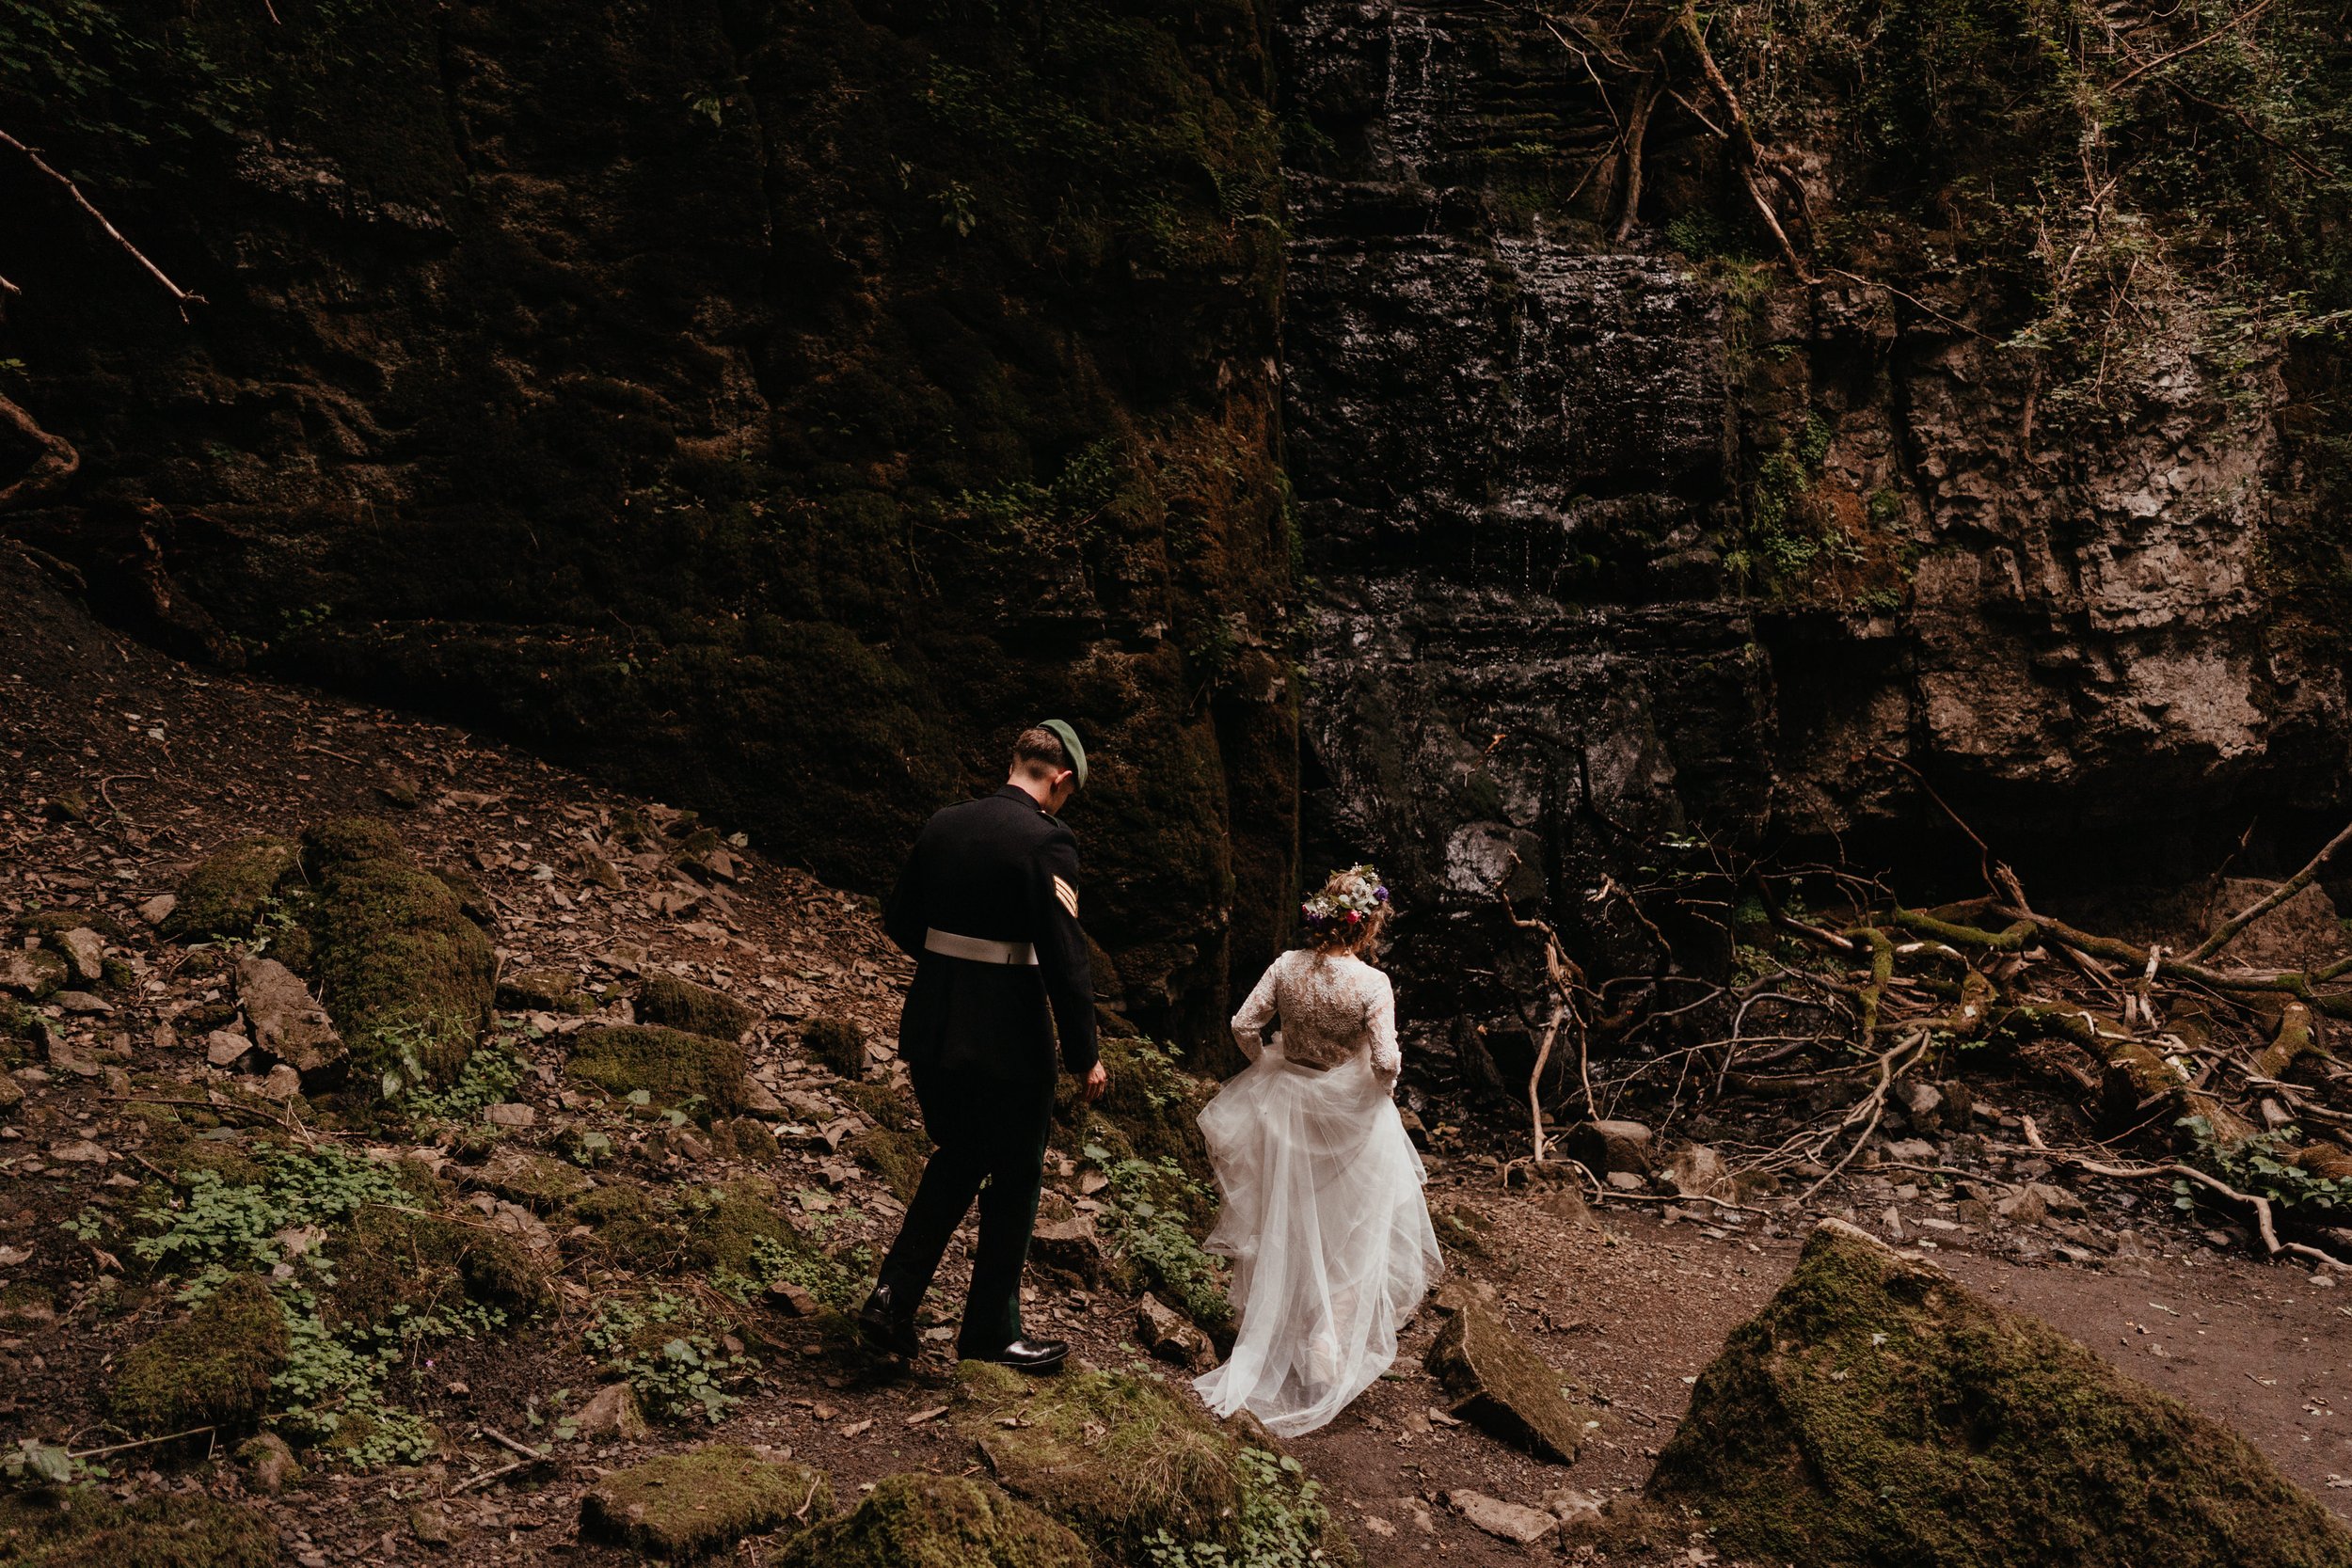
(1098, 1078)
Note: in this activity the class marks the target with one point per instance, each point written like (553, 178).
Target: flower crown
(1360, 895)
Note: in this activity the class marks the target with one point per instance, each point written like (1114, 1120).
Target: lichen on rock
(937, 1522)
(212, 1370)
(685, 1505)
(670, 1065)
(1877, 1412)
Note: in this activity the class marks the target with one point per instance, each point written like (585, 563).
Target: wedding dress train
(1324, 1218)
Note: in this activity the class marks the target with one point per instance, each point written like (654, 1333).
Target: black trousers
(992, 1146)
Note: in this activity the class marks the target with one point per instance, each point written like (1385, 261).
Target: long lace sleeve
(1387, 1060)
(1256, 1013)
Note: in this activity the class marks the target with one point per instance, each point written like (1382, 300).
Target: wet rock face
(1610, 543)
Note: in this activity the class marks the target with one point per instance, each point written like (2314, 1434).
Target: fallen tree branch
(180, 296)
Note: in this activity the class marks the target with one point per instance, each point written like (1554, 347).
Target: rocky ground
(572, 1291)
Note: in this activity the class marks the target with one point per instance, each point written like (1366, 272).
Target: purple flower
(1381, 895)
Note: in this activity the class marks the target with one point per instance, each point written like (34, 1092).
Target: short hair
(1038, 752)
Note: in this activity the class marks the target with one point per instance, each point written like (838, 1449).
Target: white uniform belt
(978, 949)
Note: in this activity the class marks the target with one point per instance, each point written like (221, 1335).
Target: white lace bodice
(1330, 1007)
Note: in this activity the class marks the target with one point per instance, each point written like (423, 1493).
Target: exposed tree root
(55, 463)
(2260, 1205)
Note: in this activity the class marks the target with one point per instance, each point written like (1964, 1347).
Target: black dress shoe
(887, 1327)
(1029, 1355)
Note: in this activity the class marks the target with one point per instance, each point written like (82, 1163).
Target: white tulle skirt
(1328, 1232)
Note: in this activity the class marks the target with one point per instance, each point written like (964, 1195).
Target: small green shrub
(1285, 1524)
(669, 1355)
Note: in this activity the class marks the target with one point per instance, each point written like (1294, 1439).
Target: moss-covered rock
(1876, 1412)
(1116, 1456)
(33, 971)
(1500, 1384)
(535, 1181)
(633, 1230)
(86, 1528)
(838, 1044)
(683, 1505)
(404, 974)
(926, 1521)
(391, 1259)
(725, 1223)
(671, 1064)
(697, 1010)
(212, 1369)
(897, 1157)
(547, 990)
(232, 889)
(1151, 1111)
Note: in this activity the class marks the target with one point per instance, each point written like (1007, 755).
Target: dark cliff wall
(770, 406)
(1621, 539)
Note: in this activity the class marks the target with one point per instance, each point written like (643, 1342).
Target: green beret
(1068, 739)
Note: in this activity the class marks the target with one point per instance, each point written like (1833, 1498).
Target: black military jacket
(1001, 869)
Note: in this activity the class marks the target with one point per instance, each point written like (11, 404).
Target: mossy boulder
(1499, 1383)
(86, 1528)
(33, 971)
(926, 1521)
(406, 977)
(230, 890)
(212, 1370)
(684, 1505)
(1116, 1456)
(671, 1064)
(697, 1010)
(838, 1044)
(1876, 1412)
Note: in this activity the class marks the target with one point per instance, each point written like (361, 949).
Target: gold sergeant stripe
(1069, 896)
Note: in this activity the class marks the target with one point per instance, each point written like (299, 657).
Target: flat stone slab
(1503, 1387)
(286, 1019)
(686, 1505)
(1512, 1522)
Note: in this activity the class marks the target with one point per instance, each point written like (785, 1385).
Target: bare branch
(180, 296)
(2228, 929)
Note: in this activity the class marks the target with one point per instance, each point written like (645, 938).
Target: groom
(988, 906)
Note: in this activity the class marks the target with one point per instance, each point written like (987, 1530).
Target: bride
(1323, 1216)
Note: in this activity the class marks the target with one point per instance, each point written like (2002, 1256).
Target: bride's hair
(1348, 914)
